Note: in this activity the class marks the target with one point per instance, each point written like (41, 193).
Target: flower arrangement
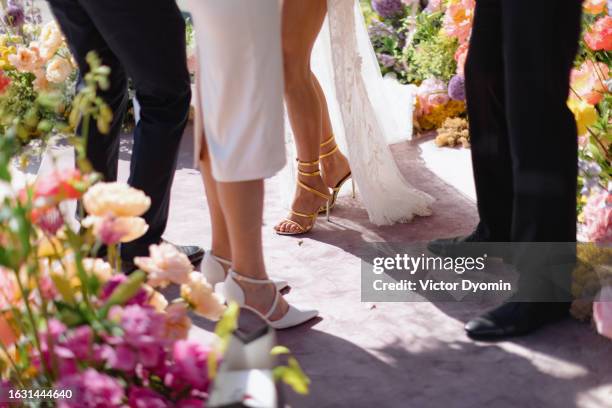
(35, 64)
(71, 325)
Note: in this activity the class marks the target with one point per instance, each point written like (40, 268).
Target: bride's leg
(334, 167)
(302, 21)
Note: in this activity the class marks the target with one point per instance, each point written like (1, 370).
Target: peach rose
(58, 70)
(165, 264)
(594, 6)
(50, 40)
(117, 199)
(177, 322)
(599, 36)
(199, 294)
(25, 60)
(112, 230)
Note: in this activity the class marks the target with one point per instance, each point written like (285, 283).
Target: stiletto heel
(336, 189)
(294, 316)
(213, 271)
(313, 216)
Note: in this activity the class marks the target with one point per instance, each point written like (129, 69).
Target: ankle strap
(328, 141)
(313, 163)
(313, 191)
(332, 151)
(220, 260)
(246, 279)
(313, 174)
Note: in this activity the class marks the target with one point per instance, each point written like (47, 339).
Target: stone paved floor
(395, 354)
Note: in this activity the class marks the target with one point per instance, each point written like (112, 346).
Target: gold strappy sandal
(336, 189)
(313, 216)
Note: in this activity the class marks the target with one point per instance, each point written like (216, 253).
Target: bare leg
(236, 211)
(334, 167)
(302, 21)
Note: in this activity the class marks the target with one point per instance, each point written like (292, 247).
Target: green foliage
(431, 53)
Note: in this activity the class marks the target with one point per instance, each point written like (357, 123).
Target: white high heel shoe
(212, 269)
(294, 316)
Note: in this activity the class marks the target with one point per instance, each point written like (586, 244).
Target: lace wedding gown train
(368, 112)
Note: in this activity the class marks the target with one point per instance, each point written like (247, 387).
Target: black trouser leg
(484, 75)
(148, 38)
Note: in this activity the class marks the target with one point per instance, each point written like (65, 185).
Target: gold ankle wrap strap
(332, 151)
(328, 141)
(313, 191)
(313, 174)
(313, 163)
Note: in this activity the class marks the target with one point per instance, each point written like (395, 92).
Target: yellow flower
(117, 199)
(584, 113)
(199, 294)
(4, 54)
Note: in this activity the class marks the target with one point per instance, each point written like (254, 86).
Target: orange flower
(594, 6)
(599, 36)
(588, 81)
(458, 19)
(8, 337)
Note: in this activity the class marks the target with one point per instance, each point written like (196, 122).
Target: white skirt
(239, 87)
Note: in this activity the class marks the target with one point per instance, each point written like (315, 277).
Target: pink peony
(602, 312)
(191, 363)
(107, 290)
(91, 389)
(599, 36)
(458, 19)
(461, 57)
(60, 185)
(140, 397)
(588, 81)
(598, 217)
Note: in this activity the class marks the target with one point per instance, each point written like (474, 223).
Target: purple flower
(140, 397)
(388, 8)
(378, 29)
(139, 299)
(456, 88)
(14, 15)
(91, 389)
(386, 60)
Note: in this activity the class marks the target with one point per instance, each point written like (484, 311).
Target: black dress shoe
(193, 252)
(515, 319)
(467, 246)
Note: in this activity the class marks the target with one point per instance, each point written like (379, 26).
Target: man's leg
(149, 39)
(83, 36)
(484, 78)
(540, 43)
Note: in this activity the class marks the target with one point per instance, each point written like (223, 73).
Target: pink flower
(141, 325)
(458, 19)
(431, 93)
(599, 36)
(434, 6)
(122, 358)
(461, 57)
(165, 264)
(140, 397)
(91, 389)
(79, 342)
(602, 312)
(50, 220)
(112, 230)
(191, 363)
(107, 290)
(5, 81)
(588, 81)
(598, 217)
(190, 403)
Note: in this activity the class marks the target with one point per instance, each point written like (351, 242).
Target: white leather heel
(294, 316)
(214, 272)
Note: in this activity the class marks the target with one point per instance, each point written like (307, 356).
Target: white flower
(50, 40)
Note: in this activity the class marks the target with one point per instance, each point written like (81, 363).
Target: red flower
(599, 36)
(4, 82)
(60, 185)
